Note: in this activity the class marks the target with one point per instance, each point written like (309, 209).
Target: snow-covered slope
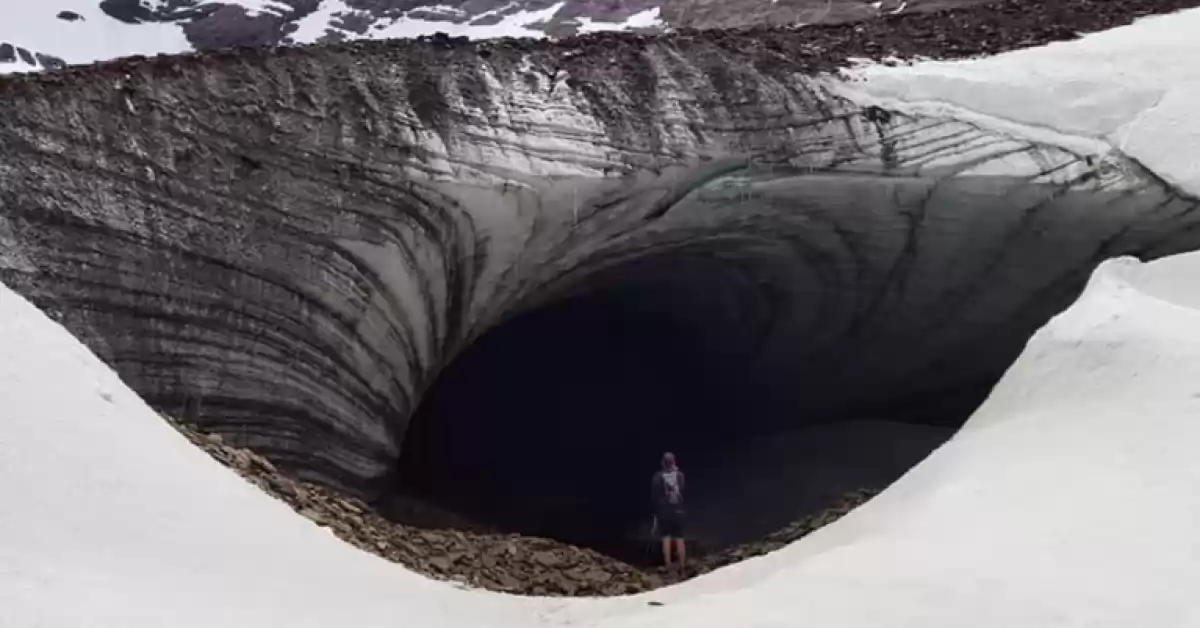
(1130, 89)
(108, 514)
(83, 34)
(1069, 499)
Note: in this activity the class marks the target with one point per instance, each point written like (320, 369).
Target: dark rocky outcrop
(287, 246)
(231, 25)
(31, 60)
(128, 11)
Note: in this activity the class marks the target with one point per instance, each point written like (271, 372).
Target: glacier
(296, 266)
(289, 249)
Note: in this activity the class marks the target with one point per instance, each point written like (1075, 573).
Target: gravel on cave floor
(500, 562)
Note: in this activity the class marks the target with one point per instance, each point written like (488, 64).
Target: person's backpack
(671, 488)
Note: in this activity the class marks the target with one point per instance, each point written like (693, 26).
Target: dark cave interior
(552, 423)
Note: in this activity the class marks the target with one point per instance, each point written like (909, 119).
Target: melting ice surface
(1068, 499)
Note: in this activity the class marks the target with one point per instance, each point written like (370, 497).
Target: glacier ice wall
(288, 246)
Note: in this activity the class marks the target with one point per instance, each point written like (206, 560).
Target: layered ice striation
(288, 247)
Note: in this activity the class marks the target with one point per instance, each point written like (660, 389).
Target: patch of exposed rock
(506, 563)
(28, 59)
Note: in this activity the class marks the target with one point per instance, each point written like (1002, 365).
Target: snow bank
(642, 19)
(111, 518)
(1134, 89)
(506, 24)
(516, 24)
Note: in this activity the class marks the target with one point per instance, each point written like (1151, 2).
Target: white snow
(1133, 88)
(641, 19)
(20, 65)
(251, 6)
(265, 6)
(36, 27)
(1070, 499)
(515, 24)
(111, 518)
(99, 37)
(512, 25)
(311, 28)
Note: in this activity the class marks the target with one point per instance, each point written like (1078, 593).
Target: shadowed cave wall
(560, 258)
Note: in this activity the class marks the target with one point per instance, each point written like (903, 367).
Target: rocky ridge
(213, 25)
(941, 29)
(507, 563)
(883, 23)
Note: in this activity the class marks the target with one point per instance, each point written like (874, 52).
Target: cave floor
(469, 554)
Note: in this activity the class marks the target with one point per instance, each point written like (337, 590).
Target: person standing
(667, 488)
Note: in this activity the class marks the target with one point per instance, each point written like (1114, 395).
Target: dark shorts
(670, 524)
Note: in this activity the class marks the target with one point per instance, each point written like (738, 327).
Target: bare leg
(681, 555)
(666, 549)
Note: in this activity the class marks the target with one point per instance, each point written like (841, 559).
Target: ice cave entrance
(552, 424)
(818, 336)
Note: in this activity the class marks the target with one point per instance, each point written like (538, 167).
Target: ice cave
(507, 287)
(299, 271)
